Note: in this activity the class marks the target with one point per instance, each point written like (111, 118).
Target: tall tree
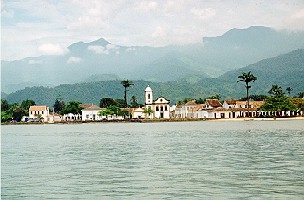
(289, 90)
(126, 84)
(276, 91)
(106, 102)
(26, 104)
(134, 103)
(148, 112)
(4, 105)
(72, 107)
(58, 105)
(247, 78)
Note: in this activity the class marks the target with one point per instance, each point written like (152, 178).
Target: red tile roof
(214, 103)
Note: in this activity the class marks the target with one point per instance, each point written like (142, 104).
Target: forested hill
(286, 70)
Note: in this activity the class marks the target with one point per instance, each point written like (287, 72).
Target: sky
(31, 28)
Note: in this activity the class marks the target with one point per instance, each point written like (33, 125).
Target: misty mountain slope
(212, 57)
(286, 70)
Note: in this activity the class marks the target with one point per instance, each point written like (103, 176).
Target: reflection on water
(193, 160)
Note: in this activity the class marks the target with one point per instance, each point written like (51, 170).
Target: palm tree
(126, 84)
(276, 90)
(148, 112)
(247, 78)
(289, 90)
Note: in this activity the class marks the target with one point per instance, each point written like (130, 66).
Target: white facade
(71, 117)
(138, 113)
(39, 111)
(91, 113)
(160, 107)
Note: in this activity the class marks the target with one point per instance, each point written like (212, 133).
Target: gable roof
(86, 105)
(231, 101)
(191, 103)
(214, 103)
(158, 99)
(36, 108)
(198, 107)
(92, 107)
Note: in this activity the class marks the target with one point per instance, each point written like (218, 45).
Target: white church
(160, 106)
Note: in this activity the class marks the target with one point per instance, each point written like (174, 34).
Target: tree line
(277, 101)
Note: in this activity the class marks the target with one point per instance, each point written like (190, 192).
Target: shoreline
(159, 120)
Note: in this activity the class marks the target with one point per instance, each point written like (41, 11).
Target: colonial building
(41, 112)
(90, 112)
(160, 106)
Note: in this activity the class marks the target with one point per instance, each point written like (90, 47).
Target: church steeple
(148, 96)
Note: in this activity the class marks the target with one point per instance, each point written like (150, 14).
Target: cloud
(98, 49)
(203, 13)
(104, 50)
(28, 24)
(52, 49)
(159, 32)
(7, 13)
(112, 47)
(34, 62)
(147, 5)
(72, 60)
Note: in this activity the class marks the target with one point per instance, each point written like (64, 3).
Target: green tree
(72, 107)
(134, 103)
(148, 111)
(247, 78)
(278, 103)
(26, 104)
(255, 97)
(18, 114)
(6, 116)
(301, 94)
(217, 96)
(58, 105)
(126, 84)
(4, 105)
(276, 91)
(121, 103)
(289, 90)
(187, 99)
(106, 102)
(106, 113)
(200, 101)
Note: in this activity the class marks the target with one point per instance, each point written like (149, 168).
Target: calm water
(183, 160)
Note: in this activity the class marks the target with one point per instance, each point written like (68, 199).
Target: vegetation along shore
(278, 104)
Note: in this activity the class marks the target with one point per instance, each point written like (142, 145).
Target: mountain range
(101, 60)
(286, 70)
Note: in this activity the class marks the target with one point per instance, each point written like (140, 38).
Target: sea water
(172, 160)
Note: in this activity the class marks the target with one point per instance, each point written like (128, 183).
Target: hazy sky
(37, 27)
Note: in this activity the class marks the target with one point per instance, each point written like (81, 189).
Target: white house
(91, 113)
(186, 111)
(41, 112)
(138, 113)
(160, 106)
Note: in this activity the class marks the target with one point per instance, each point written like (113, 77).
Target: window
(87, 116)
(42, 112)
(161, 108)
(157, 109)
(166, 108)
(149, 96)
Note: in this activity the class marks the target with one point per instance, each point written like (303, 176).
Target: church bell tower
(148, 96)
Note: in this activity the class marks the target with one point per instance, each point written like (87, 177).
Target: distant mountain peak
(82, 46)
(100, 42)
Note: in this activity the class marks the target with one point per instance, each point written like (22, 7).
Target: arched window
(157, 109)
(161, 108)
